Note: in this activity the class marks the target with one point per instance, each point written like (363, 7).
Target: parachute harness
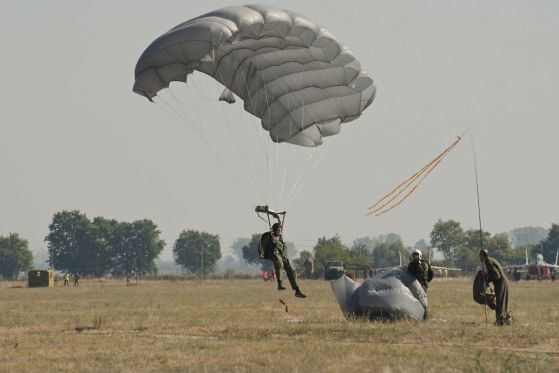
(395, 198)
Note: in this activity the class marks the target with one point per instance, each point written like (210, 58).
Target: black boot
(298, 294)
(280, 286)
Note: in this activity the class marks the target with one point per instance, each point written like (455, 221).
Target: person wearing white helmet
(421, 270)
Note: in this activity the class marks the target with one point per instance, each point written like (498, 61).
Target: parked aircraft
(539, 269)
(437, 270)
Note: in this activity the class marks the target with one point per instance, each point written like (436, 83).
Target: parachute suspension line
(416, 174)
(477, 193)
(395, 193)
(283, 202)
(412, 182)
(180, 104)
(249, 162)
(197, 115)
(184, 120)
(406, 195)
(162, 104)
(200, 91)
(264, 184)
(308, 169)
(270, 176)
(313, 167)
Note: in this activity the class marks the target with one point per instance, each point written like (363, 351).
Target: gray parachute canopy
(390, 295)
(290, 72)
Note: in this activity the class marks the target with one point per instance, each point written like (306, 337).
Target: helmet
(418, 252)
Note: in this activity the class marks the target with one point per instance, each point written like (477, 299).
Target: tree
(499, 248)
(237, 247)
(134, 247)
(389, 238)
(70, 243)
(197, 251)
(446, 236)
(102, 253)
(368, 242)
(98, 247)
(328, 250)
(388, 254)
(421, 245)
(466, 255)
(527, 236)
(298, 263)
(551, 244)
(15, 255)
(359, 254)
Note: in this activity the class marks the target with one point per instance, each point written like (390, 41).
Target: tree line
(459, 247)
(104, 246)
(101, 246)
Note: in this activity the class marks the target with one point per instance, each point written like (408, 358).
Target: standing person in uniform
(494, 273)
(76, 279)
(273, 248)
(66, 279)
(421, 270)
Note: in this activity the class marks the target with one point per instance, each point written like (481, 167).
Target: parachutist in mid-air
(273, 248)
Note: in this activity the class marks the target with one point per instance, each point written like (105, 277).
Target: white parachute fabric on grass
(390, 295)
(290, 72)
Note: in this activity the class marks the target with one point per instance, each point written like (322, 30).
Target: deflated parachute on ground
(290, 72)
(390, 295)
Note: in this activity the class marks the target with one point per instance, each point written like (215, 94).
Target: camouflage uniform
(274, 249)
(422, 271)
(497, 276)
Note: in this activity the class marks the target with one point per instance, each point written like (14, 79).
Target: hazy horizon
(75, 137)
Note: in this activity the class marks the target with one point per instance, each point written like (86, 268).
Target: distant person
(421, 270)
(66, 279)
(76, 279)
(493, 272)
(265, 275)
(273, 248)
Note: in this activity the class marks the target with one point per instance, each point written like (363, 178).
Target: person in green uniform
(494, 273)
(421, 270)
(273, 248)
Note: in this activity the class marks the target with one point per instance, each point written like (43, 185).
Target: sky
(73, 135)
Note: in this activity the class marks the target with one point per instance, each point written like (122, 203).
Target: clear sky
(73, 135)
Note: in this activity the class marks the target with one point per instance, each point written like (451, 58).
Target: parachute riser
(279, 216)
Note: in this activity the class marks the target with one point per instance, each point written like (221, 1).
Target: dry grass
(240, 325)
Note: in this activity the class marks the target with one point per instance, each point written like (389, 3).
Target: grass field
(240, 325)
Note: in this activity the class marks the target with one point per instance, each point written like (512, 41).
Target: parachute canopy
(290, 72)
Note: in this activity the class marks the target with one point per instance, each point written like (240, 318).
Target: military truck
(333, 270)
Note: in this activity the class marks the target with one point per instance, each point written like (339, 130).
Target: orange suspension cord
(410, 182)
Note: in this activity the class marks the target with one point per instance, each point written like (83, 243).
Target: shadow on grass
(96, 325)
